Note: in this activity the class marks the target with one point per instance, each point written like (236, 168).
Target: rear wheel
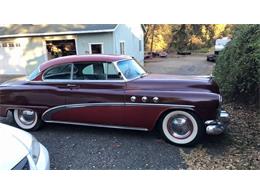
(26, 119)
(181, 128)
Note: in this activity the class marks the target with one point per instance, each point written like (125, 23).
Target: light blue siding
(131, 35)
(83, 41)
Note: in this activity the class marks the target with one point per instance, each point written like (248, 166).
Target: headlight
(35, 150)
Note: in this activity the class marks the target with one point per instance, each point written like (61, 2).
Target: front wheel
(26, 119)
(181, 128)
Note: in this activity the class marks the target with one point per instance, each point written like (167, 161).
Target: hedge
(237, 68)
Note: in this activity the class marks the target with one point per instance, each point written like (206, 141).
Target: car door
(53, 90)
(96, 95)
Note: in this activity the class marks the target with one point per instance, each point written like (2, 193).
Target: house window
(122, 48)
(140, 45)
(11, 44)
(96, 48)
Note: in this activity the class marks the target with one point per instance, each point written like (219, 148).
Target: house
(24, 47)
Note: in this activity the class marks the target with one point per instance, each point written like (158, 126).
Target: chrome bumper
(216, 127)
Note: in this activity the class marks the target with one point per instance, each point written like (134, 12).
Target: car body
(163, 54)
(147, 55)
(184, 52)
(114, 91)
(19, 150)
(221, 44)
(211, 57)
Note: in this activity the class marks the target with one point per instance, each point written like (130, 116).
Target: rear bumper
(216, 127)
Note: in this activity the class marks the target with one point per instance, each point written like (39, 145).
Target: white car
(221, 44)
(20, 150)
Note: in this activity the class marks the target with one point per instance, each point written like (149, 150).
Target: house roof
(26, 30)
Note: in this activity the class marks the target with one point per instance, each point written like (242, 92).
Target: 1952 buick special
(115, 91)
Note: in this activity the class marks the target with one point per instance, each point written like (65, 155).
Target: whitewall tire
(181, 128)
(26, 119)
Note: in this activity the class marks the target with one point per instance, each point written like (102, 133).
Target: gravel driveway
(180, 65)
(77, 147)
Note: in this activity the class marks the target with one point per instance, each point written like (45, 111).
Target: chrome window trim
(98, 125)
(79, 81)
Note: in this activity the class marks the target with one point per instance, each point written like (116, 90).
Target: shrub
(237, 68)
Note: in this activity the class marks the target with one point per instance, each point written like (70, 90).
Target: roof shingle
(19, 30)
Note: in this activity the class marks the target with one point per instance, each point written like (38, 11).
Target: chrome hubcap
(180, 126)
(27, 117)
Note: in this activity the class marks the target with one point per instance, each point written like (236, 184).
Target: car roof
(83, 58)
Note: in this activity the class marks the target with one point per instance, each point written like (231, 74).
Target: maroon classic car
(115, 91)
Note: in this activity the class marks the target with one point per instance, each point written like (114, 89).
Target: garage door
(11, 60)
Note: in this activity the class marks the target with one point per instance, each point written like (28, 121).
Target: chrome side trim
(47, 114)
(163, 105)
(97, 125)
(23, 106)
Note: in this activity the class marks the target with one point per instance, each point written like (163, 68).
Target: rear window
(61, 72)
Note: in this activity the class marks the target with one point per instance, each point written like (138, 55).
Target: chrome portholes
(144, 99)
(155, 99)
(133, 99)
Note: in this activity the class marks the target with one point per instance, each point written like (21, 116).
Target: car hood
(14, 144)
(176, 83)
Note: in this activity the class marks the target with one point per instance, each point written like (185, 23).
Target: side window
(111, 72)
(60, 72)
(88, 70)
(122, 47)
(95, 71)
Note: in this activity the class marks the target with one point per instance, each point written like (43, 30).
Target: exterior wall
(21, 60)
(24, 59)
(130, 34)
(84, 41)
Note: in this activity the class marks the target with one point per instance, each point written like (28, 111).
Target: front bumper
(216, 127)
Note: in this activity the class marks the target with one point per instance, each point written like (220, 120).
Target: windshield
(34, 74)
(131, 69)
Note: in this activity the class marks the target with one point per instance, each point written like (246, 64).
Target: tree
(237, 69)
(158, 37)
